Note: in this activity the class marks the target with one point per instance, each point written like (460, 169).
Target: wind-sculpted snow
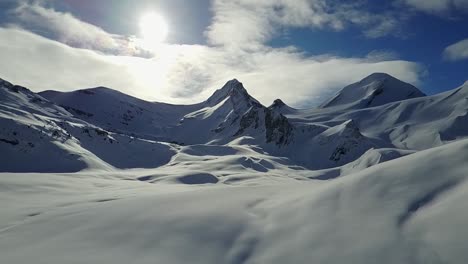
(409, 210)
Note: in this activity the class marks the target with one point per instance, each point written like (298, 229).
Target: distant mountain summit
(374, 90)
(234, 91)
(229, 113)
(281, 107)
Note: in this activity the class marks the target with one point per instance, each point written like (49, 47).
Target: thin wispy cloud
(440, 7)
(66, 28)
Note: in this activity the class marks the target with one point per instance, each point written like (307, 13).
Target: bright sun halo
(153, 29)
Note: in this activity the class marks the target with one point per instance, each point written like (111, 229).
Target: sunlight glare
(154, 29)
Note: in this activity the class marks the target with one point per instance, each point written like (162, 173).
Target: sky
(302, 51)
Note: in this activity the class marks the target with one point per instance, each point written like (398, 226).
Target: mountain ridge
(230, 116)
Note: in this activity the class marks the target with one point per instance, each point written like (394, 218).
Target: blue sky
(299, 50)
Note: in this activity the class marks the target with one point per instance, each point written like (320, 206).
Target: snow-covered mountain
(230, 113)
(378, 172)
(375, 90)
(37, 135)
(118, 112)
(377, 112)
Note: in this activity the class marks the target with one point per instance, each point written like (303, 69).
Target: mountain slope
(232, 181)
(321, 138)
(37, 135)
(413, 124)
(375, 90)
(118, 112)
(230, 113)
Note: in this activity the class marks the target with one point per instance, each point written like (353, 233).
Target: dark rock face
(77, 111)
(13, 142)
(343, 149)
(349, 139)
(278, 128)
(376, 93)
(249, 119)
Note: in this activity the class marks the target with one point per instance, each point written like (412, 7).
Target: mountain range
(377, 173)
(100, 128)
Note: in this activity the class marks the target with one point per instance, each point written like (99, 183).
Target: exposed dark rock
(87, 92)
(76, 111)
(13, 142)
(247, 120)
(278, 128)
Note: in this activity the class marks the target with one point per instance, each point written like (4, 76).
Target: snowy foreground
(410, 210)
(377, 177)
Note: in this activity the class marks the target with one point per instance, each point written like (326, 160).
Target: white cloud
(188, 74)
(457, 51)
(249, 24)
(438, 6)
(68, 29)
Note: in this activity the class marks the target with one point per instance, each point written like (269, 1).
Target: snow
(97, 176)
(374, 90)
(368, 216)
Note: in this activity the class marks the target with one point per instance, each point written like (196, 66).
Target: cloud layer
(190, 73)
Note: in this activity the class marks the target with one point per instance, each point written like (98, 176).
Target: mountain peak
(277, 103)
(281, 107)
(374, 90)
(233, 86)
(377, 76)
(233, 89)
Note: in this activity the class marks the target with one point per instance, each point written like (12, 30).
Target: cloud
(68, 29)
(457, 51)
(249, 24)
(438, 6)
(189, 73)
(55, 50)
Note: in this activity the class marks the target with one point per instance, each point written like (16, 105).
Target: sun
(153, 29)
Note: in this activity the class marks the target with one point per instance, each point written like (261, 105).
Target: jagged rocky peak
(374, 90)
(278, 128)
(281, 107)
(233, 89)
(277, 103)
